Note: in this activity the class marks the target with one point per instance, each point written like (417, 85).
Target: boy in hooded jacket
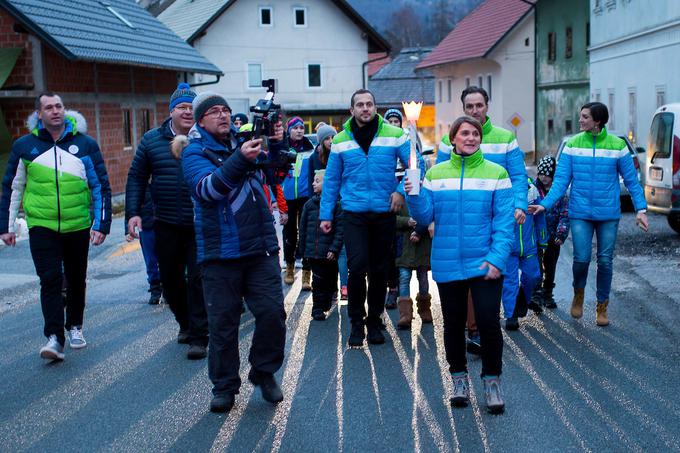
(321, 249)
(517, 291)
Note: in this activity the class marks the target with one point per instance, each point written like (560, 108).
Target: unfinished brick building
(110, 60)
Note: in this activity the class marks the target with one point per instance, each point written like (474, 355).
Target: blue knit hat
(183, 93)
(294, 121)
(394, 113)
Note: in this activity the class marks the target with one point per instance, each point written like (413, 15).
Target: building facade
(634, 65)
(119, 100)
(562, 77)
(501, 63)
(317, 50)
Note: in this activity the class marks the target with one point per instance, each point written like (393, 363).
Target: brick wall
(118, 87)
(22, 75)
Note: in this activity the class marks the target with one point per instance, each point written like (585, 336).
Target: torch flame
(412, 110)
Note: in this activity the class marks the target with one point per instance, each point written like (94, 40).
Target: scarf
(364, 135)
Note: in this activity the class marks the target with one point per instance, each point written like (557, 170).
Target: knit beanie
(183, 93)
(324, 132)
(547, 166)
(204, 101)
(394, 113)
(240, 116)
(294, 121)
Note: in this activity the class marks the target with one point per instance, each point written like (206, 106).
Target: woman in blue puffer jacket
(470, 201)
(591, 163)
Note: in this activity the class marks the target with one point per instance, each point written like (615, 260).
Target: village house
(317, 50)
(111, 60)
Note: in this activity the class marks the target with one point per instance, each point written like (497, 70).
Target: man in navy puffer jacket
(173, 220)
(237, 250)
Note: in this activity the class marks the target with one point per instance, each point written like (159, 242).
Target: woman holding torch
(470, 201)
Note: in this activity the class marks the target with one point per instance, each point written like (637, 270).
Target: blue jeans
(342, 266)
(405, 281)
(582, 237)
(147, 239)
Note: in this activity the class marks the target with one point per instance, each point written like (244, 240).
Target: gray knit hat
(324, 132)
(183, 93)
(205, 101)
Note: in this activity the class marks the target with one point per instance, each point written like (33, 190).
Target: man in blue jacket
(237, 249)
(173, 220)
(361, 171)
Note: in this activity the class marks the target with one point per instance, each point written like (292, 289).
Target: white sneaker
(76, 340)
(461, 392)
(52, 350)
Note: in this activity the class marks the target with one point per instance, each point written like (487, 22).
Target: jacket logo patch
(34, 152)
(73, 149)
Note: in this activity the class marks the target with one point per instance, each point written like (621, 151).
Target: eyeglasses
(216, 113)
(184, 109)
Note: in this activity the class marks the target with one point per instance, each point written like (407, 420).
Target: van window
(661, 136)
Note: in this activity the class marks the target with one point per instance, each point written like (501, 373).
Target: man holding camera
(361, 171)
(237, 249)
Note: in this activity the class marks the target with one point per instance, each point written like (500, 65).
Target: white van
(662, 185)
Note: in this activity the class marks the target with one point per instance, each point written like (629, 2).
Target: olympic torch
(412, 112)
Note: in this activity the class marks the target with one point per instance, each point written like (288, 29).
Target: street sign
(515, 120)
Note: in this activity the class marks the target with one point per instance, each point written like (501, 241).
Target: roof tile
(478, 32)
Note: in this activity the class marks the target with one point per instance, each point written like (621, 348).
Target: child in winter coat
(415, 255)
(557, 225)
(321, 250)
(524, 257)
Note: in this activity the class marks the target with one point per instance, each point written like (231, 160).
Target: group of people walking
(489, 234)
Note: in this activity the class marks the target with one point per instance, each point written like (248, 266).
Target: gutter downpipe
(364, 75)
(217, 80)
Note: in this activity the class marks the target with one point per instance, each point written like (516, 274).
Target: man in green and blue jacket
(361, 172)
(57, 172)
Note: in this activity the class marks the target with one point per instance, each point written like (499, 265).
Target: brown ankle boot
(289, 276)
(306, 280)
(424, 302)
(405, 305)
(577, 303)
(602, 319)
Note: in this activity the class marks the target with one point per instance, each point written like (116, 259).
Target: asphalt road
(569, 385)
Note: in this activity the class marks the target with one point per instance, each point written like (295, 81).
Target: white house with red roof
(492, 47)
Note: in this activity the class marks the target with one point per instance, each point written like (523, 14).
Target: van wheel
(674, 222)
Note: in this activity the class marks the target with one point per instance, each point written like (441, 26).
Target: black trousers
(392, 270)
(324, 283)
(486, 299)
(225, 285)
(368, 240)
(55, 256)
(549, 264)
(290, 231)
(181, 279)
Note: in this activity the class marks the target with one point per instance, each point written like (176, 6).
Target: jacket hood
(76, 119)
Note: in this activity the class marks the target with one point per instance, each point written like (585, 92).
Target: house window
(127, 128)
(569, 35)
(467, 82)
(587, 35)
(448, 90)
(526, 42)
(488, 85)
(145, 119)
(266, 19)
(612, 123)
(480, 81)
(568, 127)
(632, 115)
(254, 75)
(441, 89)
(314, 76)
(660, 96)
(552, 47)
(300, 15)
(551, 126)
(597, 96)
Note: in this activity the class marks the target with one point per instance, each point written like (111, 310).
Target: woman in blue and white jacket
(592, 162)
(470, 200)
